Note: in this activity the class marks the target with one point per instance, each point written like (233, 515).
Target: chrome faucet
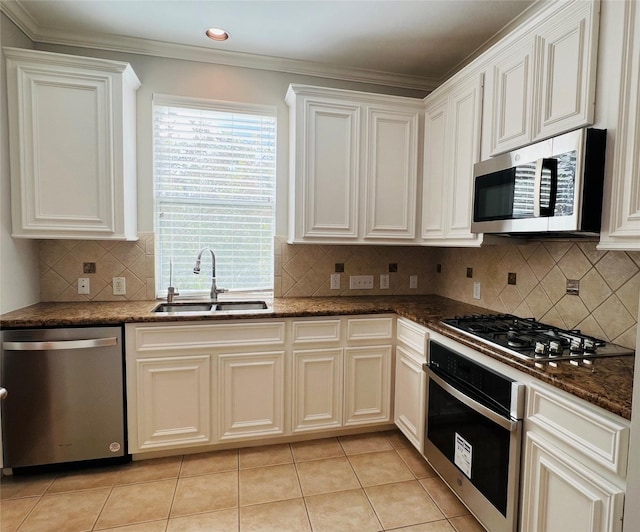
(196, 269)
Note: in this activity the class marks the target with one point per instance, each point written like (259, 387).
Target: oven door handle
(507, 423)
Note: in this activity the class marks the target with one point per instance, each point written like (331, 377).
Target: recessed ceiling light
(217, 34)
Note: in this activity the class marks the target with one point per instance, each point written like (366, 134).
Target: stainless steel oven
(473, 434)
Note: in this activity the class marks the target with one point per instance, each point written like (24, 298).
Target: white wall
(19, 259)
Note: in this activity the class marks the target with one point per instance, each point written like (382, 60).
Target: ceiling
(415, 43)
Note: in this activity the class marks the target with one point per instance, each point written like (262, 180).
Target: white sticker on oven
(462, 457)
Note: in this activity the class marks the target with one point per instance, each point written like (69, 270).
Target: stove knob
(555, 347)
(576, 346)
(541, 349)
(589, 345)
(574, 362)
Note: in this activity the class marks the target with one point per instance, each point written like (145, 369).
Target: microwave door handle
(538, 209)
(552, 166)
(537, 188)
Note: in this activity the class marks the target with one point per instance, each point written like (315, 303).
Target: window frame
(222, 106)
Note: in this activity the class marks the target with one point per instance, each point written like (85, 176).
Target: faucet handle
(171, 293)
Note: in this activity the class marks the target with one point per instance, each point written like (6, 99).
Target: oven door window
(476, 445)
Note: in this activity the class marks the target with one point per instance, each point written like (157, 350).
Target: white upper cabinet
(72, 146)
(353, 171)
(621, 216)
(541, 78)
(511, 95)
(451, 147)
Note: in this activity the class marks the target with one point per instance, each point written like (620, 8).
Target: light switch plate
(413, 281)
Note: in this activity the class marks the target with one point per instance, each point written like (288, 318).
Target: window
(214, 186)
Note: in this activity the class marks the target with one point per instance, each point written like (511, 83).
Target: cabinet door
(465, 111)
(435, 168)
(409, 405)
(568, 44)
(367, 384)
(250, 395)
(317, 389)
(561, 494)
(72, 167)
(391, 173)
(512, 80)
(173, 399)
(331, 169)
(621, 216)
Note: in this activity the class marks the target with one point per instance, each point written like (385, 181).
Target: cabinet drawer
(171, 337)
(412, 335)
(598, 436)
(370, 329)
(315, 331)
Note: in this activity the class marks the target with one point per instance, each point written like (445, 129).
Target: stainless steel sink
(184, 307)
(203, 306)
(241, 305)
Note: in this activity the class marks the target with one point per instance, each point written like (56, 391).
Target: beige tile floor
(361, 483)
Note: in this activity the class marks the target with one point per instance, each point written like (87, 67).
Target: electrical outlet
(361, 282)
(476, 290)
(335, 281)
(413, 281)
(511, 278)
(119, 286)
(384, 281)
(83, 285)
(469, 273)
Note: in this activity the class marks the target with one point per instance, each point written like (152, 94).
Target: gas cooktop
(529, 339)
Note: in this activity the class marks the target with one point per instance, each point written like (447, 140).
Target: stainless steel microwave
(553, 187)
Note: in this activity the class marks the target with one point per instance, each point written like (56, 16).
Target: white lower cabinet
(367, 384)
(317, 389)
(410, 381)
(173, 402)
(574, 466)
(410, 396)
(198, 384)
(250, 395)
(563, 494)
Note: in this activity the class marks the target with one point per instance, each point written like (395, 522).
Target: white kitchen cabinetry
(453, 116)
(173, 402)
(353, 168)
(317, 386)
(410, 381)
(367, 372)
(574, 467)
(195, 383)
(251, 394)
(621, 216)
(541, 80)
(511, 97)
(72, 123)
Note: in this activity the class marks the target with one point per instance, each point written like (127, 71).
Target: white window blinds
(214, 176)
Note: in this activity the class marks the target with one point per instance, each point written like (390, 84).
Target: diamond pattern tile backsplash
(303, 270)
(607, 304)
(61, 263)
(609, 284)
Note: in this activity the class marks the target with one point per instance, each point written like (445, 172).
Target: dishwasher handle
(60, 345)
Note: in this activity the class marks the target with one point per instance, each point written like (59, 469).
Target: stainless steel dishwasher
(65, 396)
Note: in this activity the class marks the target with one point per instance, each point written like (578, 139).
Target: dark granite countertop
(609, 385)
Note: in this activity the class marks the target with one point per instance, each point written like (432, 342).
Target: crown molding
(118, 43)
